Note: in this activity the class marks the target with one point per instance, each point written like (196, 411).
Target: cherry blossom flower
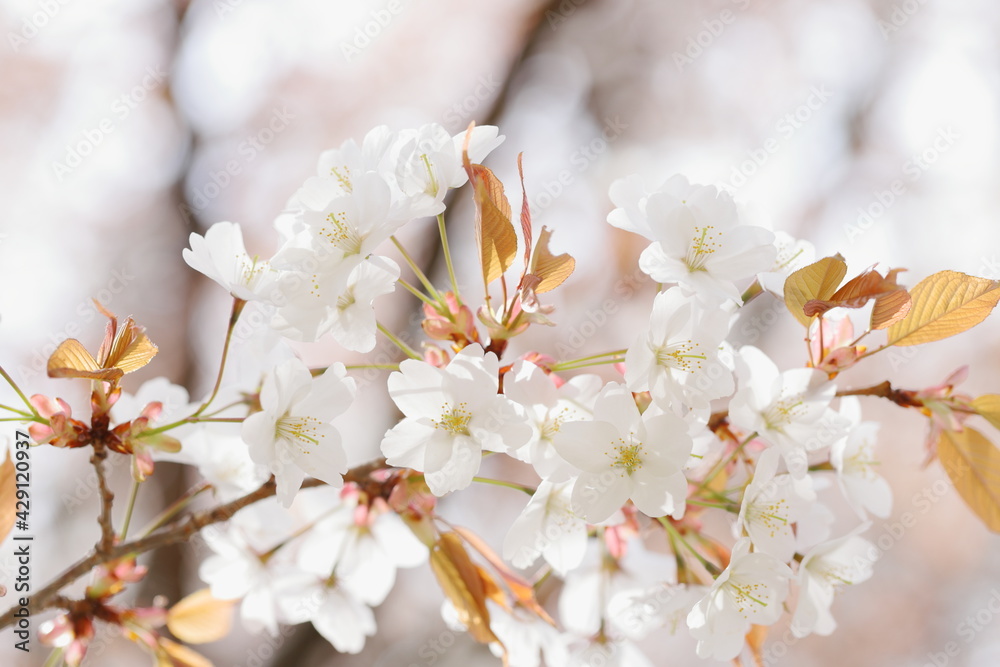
(367, 540)
(451, 415)
(348, 224)
(792, 255)
(427, 161)
(824, 570)
(626, 455)
(640, 611)
(238, 569)
(854, 460)
(546, 408)
(749, 591)
(338, 299)
(222, 459)
(770, 507)
(221, 256)
(333, 604)
(548, 527)
(698, 239)
(676, 358)
(789, 410)
(292, 433)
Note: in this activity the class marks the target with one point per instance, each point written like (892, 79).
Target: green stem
(29, 418)
(381, 367)
(15, 410)
(417, 293)
(176, 506)
(567, 366)
(417, 271)
(20, 393)
(510, 485)
(704, 503)
(238, 305)
(447, 257)
(613, 353)
(409, 351)
(722, 464)
(55, 658)
(128, 511)
(194, 419)
(675, 534)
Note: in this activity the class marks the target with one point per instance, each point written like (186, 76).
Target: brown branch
(97, 459)
(900, 397)
(181, 530)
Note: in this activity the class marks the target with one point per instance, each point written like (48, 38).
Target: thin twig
(181, 530)
(97, 459)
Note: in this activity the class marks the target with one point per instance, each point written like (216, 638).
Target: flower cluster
(691, 487)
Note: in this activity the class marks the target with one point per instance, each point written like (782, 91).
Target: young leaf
(988, 406)
(495, 235)
(525, 214)
(464, 585)
(72, 360)
(945, 304)
(8, 496)
(819, 280)
(522, 591)
(172, 654)
(890, 308)
(858, 291)
(200, 618)
(973, 464)
(552, 270)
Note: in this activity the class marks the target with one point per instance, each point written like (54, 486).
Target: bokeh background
(867, 127)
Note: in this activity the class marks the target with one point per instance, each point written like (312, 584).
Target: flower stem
(725, 462)
(176, 506)
(417, 271)
(381, 367)
(417, 293)
(572, 366)
(447, 257)
(410, 352)
(20, 393)
(675, 534)
(238, 305)
(510, 485)
(128, 511)
(55, 658)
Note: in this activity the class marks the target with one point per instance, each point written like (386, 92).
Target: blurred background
(869, 128)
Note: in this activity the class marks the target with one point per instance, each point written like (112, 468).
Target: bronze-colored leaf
(525, 214)
(72, 360)
(125, 348)
(973, 464)
(462, 582)
(172, 654)
(522, 591)
(200, 618)
(819, 280)
(890, 308)
(8, 497)
(945, 304)
(495, 235)
(856, 292)
(130, 348)
(988, 406)
(552, 270)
